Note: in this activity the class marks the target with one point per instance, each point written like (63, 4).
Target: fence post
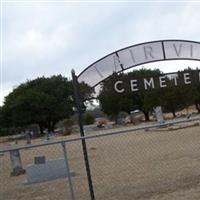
(84, 146)
(68, 171)
(16, 163)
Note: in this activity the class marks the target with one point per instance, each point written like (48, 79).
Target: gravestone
(47, 171)
(39, 160)
(159, 115)
(16, 163)
(28, 137)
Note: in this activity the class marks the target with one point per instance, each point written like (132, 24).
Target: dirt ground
(154, 165)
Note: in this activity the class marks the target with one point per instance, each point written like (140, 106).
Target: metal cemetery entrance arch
(124, 59)
(139, 54)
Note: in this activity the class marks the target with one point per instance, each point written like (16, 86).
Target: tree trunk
(174, 113)
(41, 129)
(146, 115)
(115, 118)
(53, 123)
(51, 126)
(197, 107)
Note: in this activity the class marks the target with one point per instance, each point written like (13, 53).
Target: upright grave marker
(16, 163)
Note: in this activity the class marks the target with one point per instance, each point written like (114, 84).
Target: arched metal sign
(137, 55)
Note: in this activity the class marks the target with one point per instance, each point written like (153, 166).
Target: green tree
(197, 99)
(145, 100)
(86, 95)
(88, 118)
(113, 103)
(43, 101)
(175, 98)
(110, 100)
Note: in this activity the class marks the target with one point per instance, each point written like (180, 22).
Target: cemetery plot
(50, 170)
(137, 165)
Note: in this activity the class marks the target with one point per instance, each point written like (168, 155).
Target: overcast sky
(49, 38)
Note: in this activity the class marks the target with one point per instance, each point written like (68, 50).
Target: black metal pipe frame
(84, 146)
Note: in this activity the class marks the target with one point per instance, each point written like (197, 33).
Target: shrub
(88, 118)
(67, 123)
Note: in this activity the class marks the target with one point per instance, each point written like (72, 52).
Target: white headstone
(159, 115)
(50, 170)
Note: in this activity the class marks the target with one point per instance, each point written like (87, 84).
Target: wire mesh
(146, 165)
(154, 163)
(17, 188)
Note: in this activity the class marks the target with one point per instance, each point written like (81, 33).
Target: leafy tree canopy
(43, 101)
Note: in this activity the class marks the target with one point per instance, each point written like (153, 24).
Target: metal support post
(84, 146)
(68, 171)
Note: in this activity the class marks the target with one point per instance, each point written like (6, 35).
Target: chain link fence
(146, 162)
(48, 182)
